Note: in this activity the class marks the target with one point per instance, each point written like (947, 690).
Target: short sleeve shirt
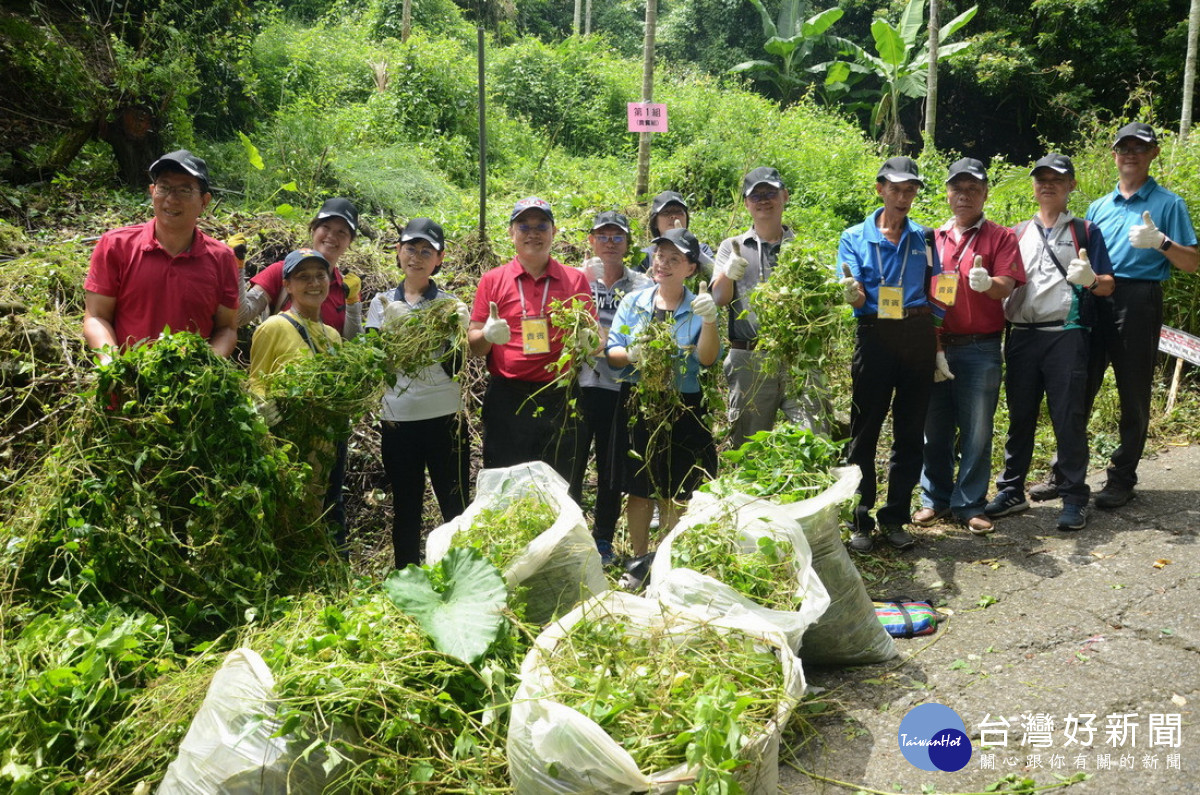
(155, 291)
(636, 311)
(761, 257)
(972, 312)
(432, 392)
(1115, 214)
(1047, 296)
(874, 260)
(607, 298)
(518, 295)
(333, 311)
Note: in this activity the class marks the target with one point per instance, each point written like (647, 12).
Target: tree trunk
(405, 20)
(1189, 70)
(133, 136)
(575, 19)
(931, 80)
(643, 166)
(587, 18)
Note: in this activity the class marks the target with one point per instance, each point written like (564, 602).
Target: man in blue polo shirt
(886, 265)
(1148, 231)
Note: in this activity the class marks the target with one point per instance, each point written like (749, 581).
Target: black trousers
(1053, 363)
(525, 421)
(439, 445)
(892, 371)
(599, 409)
(1126, 335)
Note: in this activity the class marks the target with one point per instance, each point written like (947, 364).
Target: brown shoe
(927, 517)
(980, 525)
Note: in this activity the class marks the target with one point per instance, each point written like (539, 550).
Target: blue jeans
(962, 410)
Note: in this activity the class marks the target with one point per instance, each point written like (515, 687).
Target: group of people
(1054, 300)
(936, 311)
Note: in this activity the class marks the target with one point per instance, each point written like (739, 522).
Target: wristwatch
(1166, 244)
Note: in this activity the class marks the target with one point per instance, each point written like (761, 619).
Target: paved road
(1105, 621)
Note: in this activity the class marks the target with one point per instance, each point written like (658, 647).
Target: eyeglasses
(763, 196)
(610, 238)
(542, 226)
(1132, 149)
(182, 191)
(416, 251)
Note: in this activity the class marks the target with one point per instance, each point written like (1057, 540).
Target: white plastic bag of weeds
(751, 518)
(848, 633)
(559, 567)
(555, 749)
(230, 749)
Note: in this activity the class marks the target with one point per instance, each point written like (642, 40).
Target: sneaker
(927, 517)
(604, 547)
(898, 537)
(1046, 490)
(1073, 517)
(1006, 503)
(861, 541)
(1113, 496)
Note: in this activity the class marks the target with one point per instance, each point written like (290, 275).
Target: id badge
(535, 333)
(947, 288)
(891, 303)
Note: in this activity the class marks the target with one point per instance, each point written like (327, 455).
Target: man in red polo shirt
(164, 273)
(526, 417)
(981, 265)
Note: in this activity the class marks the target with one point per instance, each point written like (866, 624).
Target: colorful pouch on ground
(906, 619)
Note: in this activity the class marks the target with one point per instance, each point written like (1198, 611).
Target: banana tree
(791, 40)
(897, 63)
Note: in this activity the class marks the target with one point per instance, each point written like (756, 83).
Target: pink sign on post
(647, 117)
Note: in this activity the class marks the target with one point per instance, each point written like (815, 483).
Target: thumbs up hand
(850, 288)
(736, 267)
(495, 329)
(703, 305)
(1146, 234)
(464, 314)
(1079, 270)
(978, 277)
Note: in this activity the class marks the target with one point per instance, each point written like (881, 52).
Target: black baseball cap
(181, 160)
(760, 175)
(1138, 130)
(611, 218)
(299, 257)
(900, 169)
(337, 208)
(969, 166)
(1056, 162)
(683, 240)
(425, 229)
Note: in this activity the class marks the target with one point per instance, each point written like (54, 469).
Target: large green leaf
(951, 27)
(912, 21)
(463, 616)
(768, 23)
(888, 44)
(782, 47)
(817, 24)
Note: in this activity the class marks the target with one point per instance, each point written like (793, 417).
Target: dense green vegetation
(292, 103)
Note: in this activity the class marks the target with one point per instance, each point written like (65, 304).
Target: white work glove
(268, 411)
(593, 269)
(495, 329)
(941, 370)
(703, 305)
(589, 340)
(1146, 234)
(1079, 270)
(850, 287)
(464, 314)
(736, 267)
(634, 353)
(978, 277)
